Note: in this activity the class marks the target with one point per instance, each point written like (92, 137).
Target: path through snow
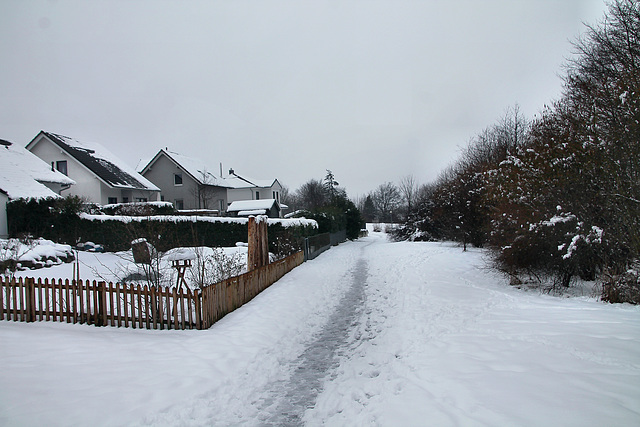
(369, 333)
(318, 361)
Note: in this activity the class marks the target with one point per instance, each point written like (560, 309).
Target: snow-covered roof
(198, 169)
(104, 164)
(253, 212)
(22, 174)
(251, 205)
(237, 181)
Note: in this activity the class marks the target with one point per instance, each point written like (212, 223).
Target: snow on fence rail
(108, 304)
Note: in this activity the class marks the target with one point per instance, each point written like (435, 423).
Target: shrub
(139, 209)
(625, 287)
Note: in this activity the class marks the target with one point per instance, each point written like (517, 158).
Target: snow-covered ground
(219, 263)
(369, 333)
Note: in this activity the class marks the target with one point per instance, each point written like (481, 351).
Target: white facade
(24, 176)
(259, 191)
(88, 185)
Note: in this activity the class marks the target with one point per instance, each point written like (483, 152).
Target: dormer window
(61, 166)
(177, 179)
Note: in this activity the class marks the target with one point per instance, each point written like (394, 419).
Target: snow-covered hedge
(63, 221)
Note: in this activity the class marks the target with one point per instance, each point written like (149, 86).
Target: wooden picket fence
(224, 297)
(136, 306)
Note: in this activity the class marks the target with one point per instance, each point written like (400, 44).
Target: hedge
(61, 220)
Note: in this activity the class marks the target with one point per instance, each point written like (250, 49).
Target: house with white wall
(186, 182)
(25, 176)
(194, 184)
(269, 207)
(245, 188)
(100, 176)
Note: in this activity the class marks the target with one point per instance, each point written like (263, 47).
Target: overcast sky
(373, 90)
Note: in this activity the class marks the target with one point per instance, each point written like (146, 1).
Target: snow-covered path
(369, 333)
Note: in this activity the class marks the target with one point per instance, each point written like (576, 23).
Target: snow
(285, 222)
(106, 158)
(22, 174)
(248, 205)
(141, 204)
(253, 212)
(45, 249)
(235, 181)
(369, 333)
(198, 169)
(114, 267)
(37, 252)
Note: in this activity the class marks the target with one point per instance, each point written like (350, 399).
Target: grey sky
(373, 90)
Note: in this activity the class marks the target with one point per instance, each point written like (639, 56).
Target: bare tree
(408, 189)
(386, 199)
(312, 195)
(205, 189)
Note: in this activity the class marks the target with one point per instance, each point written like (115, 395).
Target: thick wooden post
(101, 309)
(253, 236)
(264, 241)
(258, 254)
(30, 296)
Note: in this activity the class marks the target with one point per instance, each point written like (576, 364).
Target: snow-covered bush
(139, 209)
(213, 265)
(28, 253)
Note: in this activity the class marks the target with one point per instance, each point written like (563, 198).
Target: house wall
(87, 184)
(236, 194)
(161, 174)
(216, 198)
(53, 186)
(4, 227)
(274, 191)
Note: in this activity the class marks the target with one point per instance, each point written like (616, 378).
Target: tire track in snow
(320, 359)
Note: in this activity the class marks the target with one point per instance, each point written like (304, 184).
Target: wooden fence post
(257, 239)
(101, 309)
(264, 241)
(30, 296)
(252, 240)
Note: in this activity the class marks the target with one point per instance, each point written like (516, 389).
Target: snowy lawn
(431, 337)
(119, 266)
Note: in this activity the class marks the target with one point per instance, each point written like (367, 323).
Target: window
(141, 199)
(276, 195)
(61, 166)
(112, 200)
(125, 200)
(177, 179)
(257, 195)
(179, 204)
